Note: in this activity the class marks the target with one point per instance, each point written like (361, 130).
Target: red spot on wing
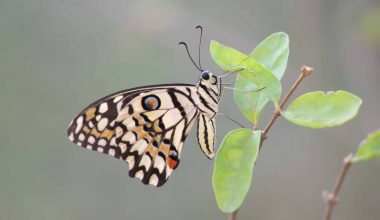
(172, 163)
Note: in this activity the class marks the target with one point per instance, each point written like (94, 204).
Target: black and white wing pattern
(206, 134)
(144, 126)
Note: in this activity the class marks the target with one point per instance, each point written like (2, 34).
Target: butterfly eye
(214, 80)
(205, 75)
(150, 102)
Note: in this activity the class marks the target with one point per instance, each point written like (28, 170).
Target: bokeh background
(58, 56)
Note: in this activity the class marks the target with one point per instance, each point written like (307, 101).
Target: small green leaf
(319, 109)
(233, 168)
(369, 149)
(272, 53)
(227, 58)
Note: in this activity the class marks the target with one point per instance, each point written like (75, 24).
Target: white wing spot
(139, 175)
(113, 141)
(79, 124)
(111, 152)
(103, 107)
(153, 180)
(139, 146)
(79, 143)
(102, 142)
(119, 131)
(81, 137)
(129, 123)
(118, 106)
(91, 124)
(100, 149)
(89, 147)
(118, 98)
(71, 137)
(145, 161)
(91, 140)
(102, 124)
(123, 147)
(129, 136)
(159, 163)
(131, 162)
(98, 117)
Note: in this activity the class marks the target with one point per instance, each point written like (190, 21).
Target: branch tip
(349, 159)
(306, 70)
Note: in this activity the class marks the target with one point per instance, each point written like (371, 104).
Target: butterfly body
(147, 126)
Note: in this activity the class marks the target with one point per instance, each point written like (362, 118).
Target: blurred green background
(58, 56)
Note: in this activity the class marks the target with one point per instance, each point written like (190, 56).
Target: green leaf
(272, 53)
(232, 60)
(233, 168)
(227, 58)
(369, 148)
(319, 109)
(252, 103)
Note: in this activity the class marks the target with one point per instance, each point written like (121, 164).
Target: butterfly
(147, 126)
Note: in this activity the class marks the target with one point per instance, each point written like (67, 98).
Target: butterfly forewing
(146, 127)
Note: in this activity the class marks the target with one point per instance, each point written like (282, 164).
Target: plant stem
(305, 71)
(332, 197)
(232, 216)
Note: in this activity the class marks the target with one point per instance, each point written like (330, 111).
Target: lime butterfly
(147, 126)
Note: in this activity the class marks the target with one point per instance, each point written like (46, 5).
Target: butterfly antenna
(199, 45)
(188, 53)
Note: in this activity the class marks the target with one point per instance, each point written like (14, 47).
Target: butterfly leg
(227, 116)
(229, 83)
(242, 90)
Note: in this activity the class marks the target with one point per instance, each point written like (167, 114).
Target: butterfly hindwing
(206, 135)
(144, 126)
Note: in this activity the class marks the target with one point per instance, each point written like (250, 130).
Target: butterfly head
(210, 81)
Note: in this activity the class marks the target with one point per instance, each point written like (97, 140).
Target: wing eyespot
(150, 102)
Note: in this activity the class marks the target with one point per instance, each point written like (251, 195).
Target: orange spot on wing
(153, 151)
(107, 134)
(165, 149)
(156, 127)
(140, 132)
(95, 133)
(86, 130)
(90, 114)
